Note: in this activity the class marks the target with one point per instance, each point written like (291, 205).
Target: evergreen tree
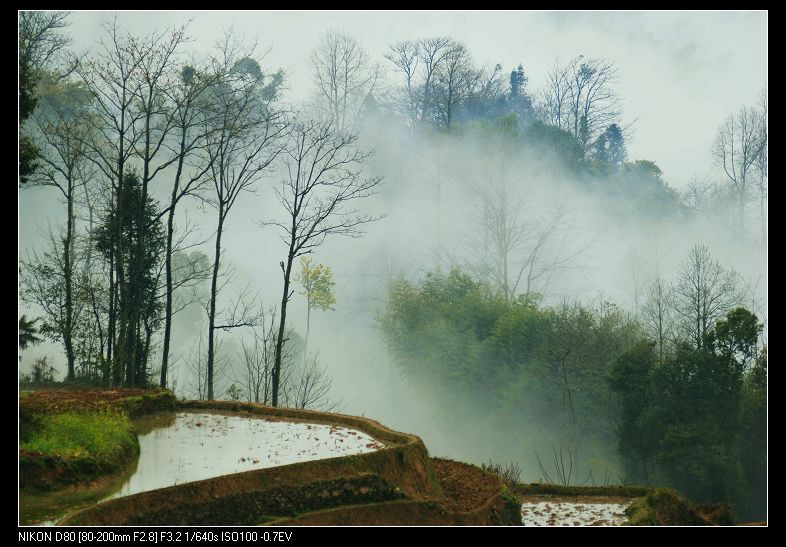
(519, 102)
(155, 240)
(696, 421)
(610, 146)
(27, 332)
(615, 142)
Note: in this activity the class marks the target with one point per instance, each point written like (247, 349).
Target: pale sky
(680, 73)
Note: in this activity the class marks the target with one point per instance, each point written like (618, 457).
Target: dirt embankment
(135, 402)
(470, 496)
(396, 484)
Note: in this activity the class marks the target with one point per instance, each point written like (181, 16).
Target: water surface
(188, 446)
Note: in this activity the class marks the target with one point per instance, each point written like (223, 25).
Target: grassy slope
(104, 436)
(75, 436)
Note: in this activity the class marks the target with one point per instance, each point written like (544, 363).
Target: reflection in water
(48, 507)
(192, 446)
(148, 423)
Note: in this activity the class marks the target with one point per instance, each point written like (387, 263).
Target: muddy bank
(471, 497)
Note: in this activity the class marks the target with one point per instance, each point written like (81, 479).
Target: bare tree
(243, 131)
(324, 178)
(60, 126)
(549, 250)
(432, 52)
(305, 385)
(456, 81)
(95, 200)
(47, 281)
(310, 388)
(197, 364)
(259, 356)
(656, 313)
(130, 79)
(158, 59)
(554, 104)
(704, 293)
(188, 98)
(420, 62)
(344, 76)
(761, 165)
(635, 267)
(520, 250)
(183, 273)
(405, 56)
(242, 312)
(488, 89)
(579, 97)
(737, 148)
(698, 194)
(112, 76)
(42, 48)
(41, 40)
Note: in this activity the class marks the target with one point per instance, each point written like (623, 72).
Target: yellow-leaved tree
(317, 282)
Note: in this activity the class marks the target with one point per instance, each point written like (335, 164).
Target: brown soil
(471, 497)
(718, 514)
(54, 400)
(466, 487)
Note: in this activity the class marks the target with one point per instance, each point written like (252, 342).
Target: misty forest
(502, 258)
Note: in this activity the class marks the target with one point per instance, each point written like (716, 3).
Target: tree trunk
(212, 313)
(67, 266)
(761, 211)
(308, 327)
(139, 358)
(130, 350)
(281, 328)
(168, 304)
(170, 230)
(101, 338)
(110, 334)
(140, 378)
(146, 349)
(93, 302)
(121, 291)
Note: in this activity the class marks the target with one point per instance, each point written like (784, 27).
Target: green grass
(76, 436)
(665, 507)
(104, 437)
(72, 446)
(148, 403)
